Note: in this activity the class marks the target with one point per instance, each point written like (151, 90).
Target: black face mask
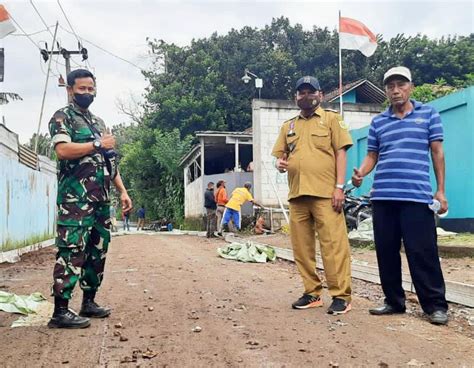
(306, 103)
(83, 100)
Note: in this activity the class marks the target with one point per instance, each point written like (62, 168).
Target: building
(268, 116)
(217, 156)
(226, 155)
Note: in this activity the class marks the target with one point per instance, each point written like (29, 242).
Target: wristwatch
(97, 144)
(340, 186)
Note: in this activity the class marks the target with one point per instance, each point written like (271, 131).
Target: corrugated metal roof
(367, 92)
(222, 133)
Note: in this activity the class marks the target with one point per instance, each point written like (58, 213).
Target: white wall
(267, 119)
(27, 197)
(194, 198)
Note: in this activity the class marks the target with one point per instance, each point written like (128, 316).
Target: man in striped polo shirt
(399, 143)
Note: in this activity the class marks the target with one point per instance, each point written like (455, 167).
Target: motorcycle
(356, 209)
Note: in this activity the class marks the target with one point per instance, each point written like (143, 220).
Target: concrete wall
(28, 197)
(267, 118)
(193, 198)
(457, 115)
(194, 192)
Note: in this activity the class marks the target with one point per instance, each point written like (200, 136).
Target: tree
(45, 145)
(429, 92)
(151, 168)
(199, 87)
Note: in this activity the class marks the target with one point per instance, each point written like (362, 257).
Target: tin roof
(367, 92)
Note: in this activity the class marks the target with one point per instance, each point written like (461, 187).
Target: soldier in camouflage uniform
(86, 168)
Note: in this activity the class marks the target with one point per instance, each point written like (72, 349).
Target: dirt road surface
(179, 305)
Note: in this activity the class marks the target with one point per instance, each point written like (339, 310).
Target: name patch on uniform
(419, 121)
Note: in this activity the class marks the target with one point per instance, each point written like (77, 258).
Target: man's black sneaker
(65, 318)
(386, 309)
(92, 309)
(439, 318)
(339, 306)
(307, 301)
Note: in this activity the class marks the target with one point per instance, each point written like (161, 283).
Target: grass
(11, 245)
(459, 239)
(364, 245)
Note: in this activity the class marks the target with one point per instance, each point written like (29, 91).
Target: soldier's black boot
(65, 318)
(92, 309)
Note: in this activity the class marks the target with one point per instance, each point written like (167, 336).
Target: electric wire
(86, 62)
(106, 51)
(51, 33)
(33, 42)
(30, 34)
(42, 20)
(80, 40)
(68, 22)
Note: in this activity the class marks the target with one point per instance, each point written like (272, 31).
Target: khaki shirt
(311, 152)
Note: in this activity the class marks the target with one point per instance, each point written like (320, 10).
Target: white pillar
(236, 165)
(202, 157)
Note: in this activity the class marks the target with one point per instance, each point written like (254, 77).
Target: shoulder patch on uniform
(59, 116)
(290, 120)
(343, 125)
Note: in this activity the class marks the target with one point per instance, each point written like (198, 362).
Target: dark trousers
(415, 224)
(210, 221)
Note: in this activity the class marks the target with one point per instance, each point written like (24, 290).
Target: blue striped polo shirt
(403, 146)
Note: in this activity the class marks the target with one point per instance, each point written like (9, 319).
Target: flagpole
(340, 68)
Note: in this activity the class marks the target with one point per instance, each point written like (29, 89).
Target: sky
(121, 27)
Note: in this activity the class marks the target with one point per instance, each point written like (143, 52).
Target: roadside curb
(14, 255)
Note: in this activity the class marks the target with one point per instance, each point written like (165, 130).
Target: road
(178, 304)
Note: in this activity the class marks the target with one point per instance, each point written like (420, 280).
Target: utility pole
(66, 55)
(45, 89)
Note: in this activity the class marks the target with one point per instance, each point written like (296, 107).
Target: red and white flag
(6, 24)
(354, 35)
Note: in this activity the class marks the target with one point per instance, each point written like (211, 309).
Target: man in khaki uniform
(312, 148)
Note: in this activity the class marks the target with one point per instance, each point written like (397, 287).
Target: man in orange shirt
(221, 200)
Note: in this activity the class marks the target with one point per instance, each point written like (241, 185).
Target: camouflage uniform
(83, 224)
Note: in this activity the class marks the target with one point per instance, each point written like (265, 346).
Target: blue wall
(457, 115)
(349, 97)
(28, 205)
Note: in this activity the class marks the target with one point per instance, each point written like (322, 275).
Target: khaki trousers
(307, 215)
(219, 213)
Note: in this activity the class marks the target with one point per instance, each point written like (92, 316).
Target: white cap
(398, 70)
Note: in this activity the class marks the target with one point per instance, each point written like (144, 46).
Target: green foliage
(45, 145)
(429, 92)
(199, 87)
(150, 166)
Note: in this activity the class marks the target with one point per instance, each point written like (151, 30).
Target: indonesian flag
(354, 35)
(6, 24)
